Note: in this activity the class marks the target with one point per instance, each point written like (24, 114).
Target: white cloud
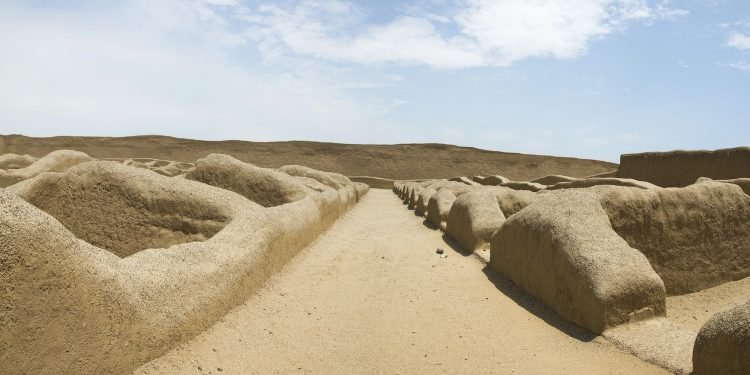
(485, 32)
(743, 66)
(513, 30)
(190, 67)
(92, 72)
(309, 31)
(739, 41)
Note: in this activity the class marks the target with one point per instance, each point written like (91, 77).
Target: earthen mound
(340, 178)
(56, 161)
(512, 201)
(264, 186)
(333, 180)
(473, 218)
(103, 204)
(457, 188)
(723, 343)
(553, 179)
(163, 167)
(13, 161)
(611, 181)
(743, 183)
(463, 180)
(612, 173)
(398, 188)
(70, 306)
(423, 200)
(493, 180)
(414, 189)
(523, 185)
(406, 193)
(563, 250)
(439, 206)
(694, 237)
(414, 192)
(583, 250)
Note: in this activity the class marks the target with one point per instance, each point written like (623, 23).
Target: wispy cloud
(739, 41)
(332, 70)
(482, 33)
(743, 66)
(89, 71)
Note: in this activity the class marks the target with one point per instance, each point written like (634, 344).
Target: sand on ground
(372, 296)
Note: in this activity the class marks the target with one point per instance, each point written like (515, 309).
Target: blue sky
(584, 78)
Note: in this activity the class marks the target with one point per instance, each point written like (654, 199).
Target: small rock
(444, 256)
(439, 251)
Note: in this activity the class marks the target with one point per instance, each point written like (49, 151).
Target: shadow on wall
(536, 306)
(521, 297)
(429, 225)
(455, 246)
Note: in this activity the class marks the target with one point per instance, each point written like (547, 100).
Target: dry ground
(404, 162)
(372, 296)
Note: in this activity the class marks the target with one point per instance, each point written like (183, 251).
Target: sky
(583, 78)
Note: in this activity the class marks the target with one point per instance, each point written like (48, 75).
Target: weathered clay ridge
(605, 252)
(106, 265)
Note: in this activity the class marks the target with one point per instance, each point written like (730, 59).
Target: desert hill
(403, 161)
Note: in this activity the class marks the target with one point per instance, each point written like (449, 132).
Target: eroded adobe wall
(56, 161)
(682, 168)
(72, 307)
(694, 237)
(723, 343)
(562, 250)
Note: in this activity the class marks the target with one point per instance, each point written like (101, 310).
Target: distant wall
(682, 168)
(377, 182)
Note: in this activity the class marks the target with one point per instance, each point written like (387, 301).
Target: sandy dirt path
(371, 296)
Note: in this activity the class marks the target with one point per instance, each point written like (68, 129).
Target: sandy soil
(693, 310)
(404, 162)
(372, 296)
(668, 342)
